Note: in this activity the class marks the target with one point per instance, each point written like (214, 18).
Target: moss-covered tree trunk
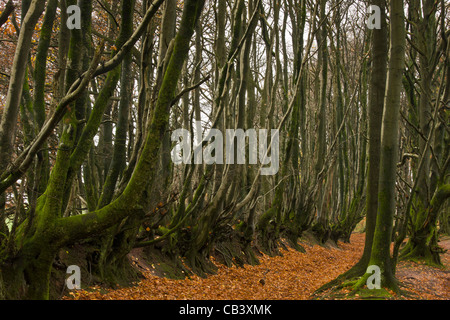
(8, 121)
(26, 267)
(379, 54)
(380, 253)
(422, 243)
(202, 237)
(321, 227)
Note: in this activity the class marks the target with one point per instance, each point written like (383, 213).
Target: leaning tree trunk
(33, 251)
(9, 117)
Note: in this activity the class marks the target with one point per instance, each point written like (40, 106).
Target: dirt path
(294, 276)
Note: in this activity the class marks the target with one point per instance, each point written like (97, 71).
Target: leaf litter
(292, 276)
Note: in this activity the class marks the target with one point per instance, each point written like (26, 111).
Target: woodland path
(293, 276)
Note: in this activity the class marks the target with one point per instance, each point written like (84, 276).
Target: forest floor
(293, 276)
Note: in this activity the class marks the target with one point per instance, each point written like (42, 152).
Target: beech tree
(40, 244)
(380, 254)
(358, 125)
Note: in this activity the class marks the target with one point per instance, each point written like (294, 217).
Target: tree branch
(185, 90)
(7, 12)
(22, 163)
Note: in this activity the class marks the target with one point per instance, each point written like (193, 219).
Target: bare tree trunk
(9, 118)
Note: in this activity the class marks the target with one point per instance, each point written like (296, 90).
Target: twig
(109, 12)
(185, 90)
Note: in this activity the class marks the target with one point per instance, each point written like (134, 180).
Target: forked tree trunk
(380, 254)
(26, 270)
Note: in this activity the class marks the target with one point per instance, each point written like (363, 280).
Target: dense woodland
(87, 116)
